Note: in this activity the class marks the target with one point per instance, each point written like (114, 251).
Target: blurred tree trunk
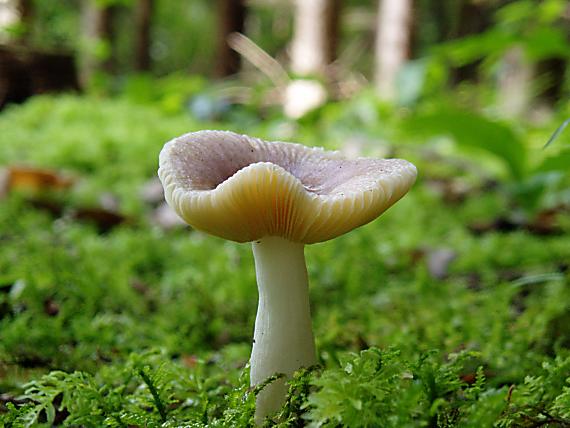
(26, 14)
(143, 25)
(97, 25)
(552, 70)
(473, 18)
(231, 18)
(332, 23)
(393, 35)
(314, 45)
(524, 87)
(26, 72)
(514, 85)
(315, 37)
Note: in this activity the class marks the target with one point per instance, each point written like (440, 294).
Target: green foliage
(99, 136)
(83, 312)
(378, 388)
(475, 131)
(170, 93)
(533, 173)
(55, 24)
(367, 390)
(147, 389)
(543, 399)
(534, 26)
(371, 388)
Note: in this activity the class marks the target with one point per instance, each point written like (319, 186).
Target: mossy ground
(142, 326)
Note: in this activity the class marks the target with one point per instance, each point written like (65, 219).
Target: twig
(259, 58)
(556, 133)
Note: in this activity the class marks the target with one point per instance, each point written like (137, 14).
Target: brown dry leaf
(35, 179)
(104, 219)
(545, 223)
(55, 208)
(500, 224)
(451, 191)
(471, 378)
(51, 308)
(190, 360)
(140, 287)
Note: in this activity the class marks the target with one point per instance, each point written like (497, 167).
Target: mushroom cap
(242, 188)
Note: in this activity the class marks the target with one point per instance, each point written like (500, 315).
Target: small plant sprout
(279, 196)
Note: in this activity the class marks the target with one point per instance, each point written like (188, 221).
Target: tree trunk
(26, 14)
(231, 17)
(474, 18)
(332, 23)
(315, 35)
(25, 72)
(394, 24)
(514, 89)
(98, 27)
(551, 71)
(143, 23)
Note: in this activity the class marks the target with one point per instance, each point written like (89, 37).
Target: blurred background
(509, 57)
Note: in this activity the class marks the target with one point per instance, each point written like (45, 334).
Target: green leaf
(472, 130)
(472, 48)
(561, 163)
(546, 42)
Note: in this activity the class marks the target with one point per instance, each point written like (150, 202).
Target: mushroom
(279, 196)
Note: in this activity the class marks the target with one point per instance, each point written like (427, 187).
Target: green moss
(138, 325)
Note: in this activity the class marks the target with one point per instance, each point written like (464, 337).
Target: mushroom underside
(242, 188)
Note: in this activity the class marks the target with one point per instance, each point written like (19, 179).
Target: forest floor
(452, 309)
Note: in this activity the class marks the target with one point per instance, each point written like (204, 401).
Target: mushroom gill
(242, 188)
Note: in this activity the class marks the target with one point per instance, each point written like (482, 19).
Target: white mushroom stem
(283, 340)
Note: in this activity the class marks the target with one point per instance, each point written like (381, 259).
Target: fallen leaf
(140, 287)
(35, 179)
(190, 360)
(105, 220)
(500, 224)
(51, 308)
(451, 191)
(55, 208)
(545, 223)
